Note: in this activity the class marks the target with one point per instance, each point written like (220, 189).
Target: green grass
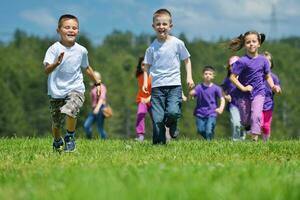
(125, 169)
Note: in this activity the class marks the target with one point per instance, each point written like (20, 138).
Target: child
(229, 90)
(207, 109)
(269, 102)
(143, 101)
(164, 56)
(248, 74)
(63, 62)
(98, 103)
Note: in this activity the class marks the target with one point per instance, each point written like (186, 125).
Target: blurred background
(116, 33)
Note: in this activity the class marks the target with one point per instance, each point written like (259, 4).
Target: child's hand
(60, 58)
(276, 89)
(228, 98)
(96, 110)
(145, 89)
(248, 88)
(184, 98)
(219, 111)
(190, 83)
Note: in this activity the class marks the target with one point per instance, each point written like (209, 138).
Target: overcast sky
(206, 19)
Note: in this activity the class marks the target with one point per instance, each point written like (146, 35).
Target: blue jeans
(235, 119)
(166, 110)
(206, 127)
(92, 118)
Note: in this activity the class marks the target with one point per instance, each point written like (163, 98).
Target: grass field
(125, 169)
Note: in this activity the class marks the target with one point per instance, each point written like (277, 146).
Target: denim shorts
(70, 106)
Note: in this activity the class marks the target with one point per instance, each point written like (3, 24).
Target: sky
(197, 19)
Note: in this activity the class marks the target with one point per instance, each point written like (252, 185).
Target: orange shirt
(140, 93)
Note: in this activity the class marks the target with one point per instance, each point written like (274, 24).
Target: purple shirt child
(252, 71)
(269, 103)
(230, 89)
(207, 100)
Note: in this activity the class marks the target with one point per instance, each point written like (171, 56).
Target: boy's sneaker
(174, 134)
(70, 145)
(58, 146)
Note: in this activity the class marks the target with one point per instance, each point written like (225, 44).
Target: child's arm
(227, 97)
(184, 98)
(145, 84)
(51, 67)
(275, 88)
(236, 82)
(98, 106)
(90, 72)
(188, 68)
(220, 109)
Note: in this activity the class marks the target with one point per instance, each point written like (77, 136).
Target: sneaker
(255, 138)
(140, 138)
(174, 134)
(70, 145)
(58, 146)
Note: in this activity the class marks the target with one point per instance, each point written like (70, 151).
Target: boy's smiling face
(162, 26)
(68, 32)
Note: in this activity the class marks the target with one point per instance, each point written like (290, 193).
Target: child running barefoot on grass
(62, 64)
(248, 74)
(206, 110)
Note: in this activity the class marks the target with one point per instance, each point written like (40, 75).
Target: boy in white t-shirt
(63, 62)
(164, 56)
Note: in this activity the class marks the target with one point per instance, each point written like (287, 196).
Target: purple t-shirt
(252, 71)
(207, 100)
(230, 89)
(269, 102)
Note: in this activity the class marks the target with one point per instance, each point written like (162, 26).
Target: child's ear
(171, 25)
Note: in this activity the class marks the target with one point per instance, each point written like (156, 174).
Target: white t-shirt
(164, 59)
(67, 76)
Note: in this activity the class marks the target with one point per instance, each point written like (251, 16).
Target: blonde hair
(162, 11)
(97, 75)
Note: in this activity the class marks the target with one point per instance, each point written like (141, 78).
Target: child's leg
(57, 117)
(235, 120)
(256, 113)
(100, 124)
(173, 108)
(88, 125)
(210, 128)
(244, 106)
(158, 99)
(201, 126)
(266, 124)
(140, 119)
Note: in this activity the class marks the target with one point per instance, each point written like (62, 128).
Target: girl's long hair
(139, 69)
(238, 42)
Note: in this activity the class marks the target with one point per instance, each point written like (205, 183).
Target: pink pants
(266, 120)
(140, 118)
(251, 112)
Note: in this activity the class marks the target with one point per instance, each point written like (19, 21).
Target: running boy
(163, 57)
(63, 62)
(206, 111)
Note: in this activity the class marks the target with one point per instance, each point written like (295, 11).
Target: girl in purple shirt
(248, 74)
(268, 107)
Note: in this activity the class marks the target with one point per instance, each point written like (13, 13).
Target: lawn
(126, 169)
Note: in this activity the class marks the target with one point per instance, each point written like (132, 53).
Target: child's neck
(67, 44)
(162, 40)
(208, 83)
(252, 55)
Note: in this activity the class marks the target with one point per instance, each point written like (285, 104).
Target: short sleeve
(219, 91)
(237, 67)
(183, 52)
(50, 56)
(148, 59)
(85, 60)
(103, 92)
(267, 68)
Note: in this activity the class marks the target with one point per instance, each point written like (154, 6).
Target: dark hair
(238, 42)
(266, 53)
(64, 17)
(139, 69)
(208, 68)
(162, 11)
